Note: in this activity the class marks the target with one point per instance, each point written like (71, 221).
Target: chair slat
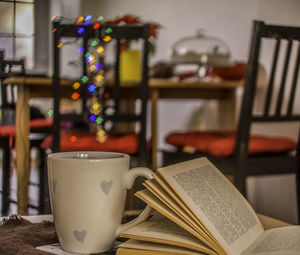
(144, 95)
(83, 90)
(274, 31)
(117, 92)
(294, 84)
(283, 80)
(118, 34)
(241, 163)
(271, 80)
(56, 90)
(274, 118)
(123, 117)
(298, 147)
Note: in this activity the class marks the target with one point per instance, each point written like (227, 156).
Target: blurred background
(26, 32)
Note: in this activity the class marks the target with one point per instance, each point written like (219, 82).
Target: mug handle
(130, 177)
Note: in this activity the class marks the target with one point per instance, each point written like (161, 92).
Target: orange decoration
(107, 38)
(79, 20)
(96, 26)
(100, 50)
(76, 85)
(75, 95)
(73, 139)
(53, 30)
(96, 106)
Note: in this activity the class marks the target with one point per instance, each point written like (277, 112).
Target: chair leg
(41, 181)
(5, 179)
(47, 205)
(45, 195)
(298, 193)
(44, 200)
(240, 182)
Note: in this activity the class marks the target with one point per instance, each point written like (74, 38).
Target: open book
(201, 212)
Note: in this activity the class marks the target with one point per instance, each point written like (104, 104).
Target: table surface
(29, 87)
(266, 221)
(153, 82)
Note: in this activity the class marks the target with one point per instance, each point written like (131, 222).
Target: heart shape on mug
(105, 186)
(79, 235)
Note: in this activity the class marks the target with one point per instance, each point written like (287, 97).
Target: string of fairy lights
(94, 81)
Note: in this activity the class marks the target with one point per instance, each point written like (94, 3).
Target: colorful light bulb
(92, 88)
(80, 30)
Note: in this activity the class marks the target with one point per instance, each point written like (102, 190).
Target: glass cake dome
(201, 50)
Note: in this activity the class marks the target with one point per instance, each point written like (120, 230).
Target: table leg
(154, 126)
(22, 149)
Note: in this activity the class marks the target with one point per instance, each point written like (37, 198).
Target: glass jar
(202, 50)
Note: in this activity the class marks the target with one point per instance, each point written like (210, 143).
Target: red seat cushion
(41, 123)
(87, 142)
(10, 130)
(222, 143)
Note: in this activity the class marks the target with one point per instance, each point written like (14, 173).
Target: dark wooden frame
(15, 35)
(6, 70)
(240, 165)
(128, 32)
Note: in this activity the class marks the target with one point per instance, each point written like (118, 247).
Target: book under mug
(201, 212)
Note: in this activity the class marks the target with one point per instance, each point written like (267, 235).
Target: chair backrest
(283, 43)
(118, 34)
(8, 104)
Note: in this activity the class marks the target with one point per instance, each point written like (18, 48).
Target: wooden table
(267, 222)
(225, 91)
(30, 87)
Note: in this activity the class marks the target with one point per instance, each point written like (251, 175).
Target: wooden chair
(242, 153)
(133, 143)
(38, 128)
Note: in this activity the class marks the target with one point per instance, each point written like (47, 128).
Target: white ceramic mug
(87, 193)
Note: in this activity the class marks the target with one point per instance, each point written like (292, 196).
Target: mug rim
(74, 155)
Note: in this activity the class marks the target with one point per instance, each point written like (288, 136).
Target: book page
(215, 202)
(157, 191)
(268, 222)
(169, 190)
(153, 186)
(159, 206)
(129, 251)
(162, 230)
(141, 246)
(277, 241)
(165, 186)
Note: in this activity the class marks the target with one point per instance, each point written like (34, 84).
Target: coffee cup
(87, 194)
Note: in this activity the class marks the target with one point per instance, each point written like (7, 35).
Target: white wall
(69, 9)
(225, 19)
(231, 21)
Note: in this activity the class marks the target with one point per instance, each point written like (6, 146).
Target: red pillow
(222, 143)
(10, 130)
(41, 123)
(257, 145)
(87, 142)
(198, 139)
(7, 131)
